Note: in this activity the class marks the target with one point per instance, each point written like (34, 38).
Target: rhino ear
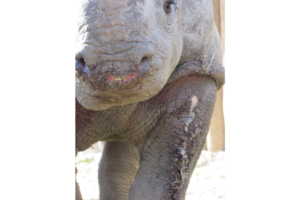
(202, 47)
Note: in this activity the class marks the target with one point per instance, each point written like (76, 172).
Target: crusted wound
(183, 146)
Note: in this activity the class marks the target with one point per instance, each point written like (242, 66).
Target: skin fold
(147, 74)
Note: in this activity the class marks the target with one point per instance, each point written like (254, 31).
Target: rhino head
(127, 50)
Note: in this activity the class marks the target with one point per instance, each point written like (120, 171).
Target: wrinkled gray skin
(147, 74)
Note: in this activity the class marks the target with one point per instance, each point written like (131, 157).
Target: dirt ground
(207, 182)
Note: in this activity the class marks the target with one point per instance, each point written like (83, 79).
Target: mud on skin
(147, 73)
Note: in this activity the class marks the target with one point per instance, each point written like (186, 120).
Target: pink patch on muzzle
(122, 79)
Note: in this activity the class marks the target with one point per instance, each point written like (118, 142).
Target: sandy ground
(207, 182)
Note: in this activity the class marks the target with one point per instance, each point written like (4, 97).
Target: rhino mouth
(112, 78)
(119, 79)
(111, 75)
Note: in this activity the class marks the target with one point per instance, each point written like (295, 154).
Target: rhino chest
(113, 124)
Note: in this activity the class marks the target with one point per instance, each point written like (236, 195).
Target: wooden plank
(216, 136)
(222, 23)
(216, 4)
(219, 17)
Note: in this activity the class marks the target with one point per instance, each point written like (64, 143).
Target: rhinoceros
(147, 74)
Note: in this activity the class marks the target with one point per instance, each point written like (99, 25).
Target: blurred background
(208, 179)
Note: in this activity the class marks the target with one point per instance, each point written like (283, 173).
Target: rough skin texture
(147, 74)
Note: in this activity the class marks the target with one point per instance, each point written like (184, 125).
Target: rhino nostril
(79, 64)
(144, 59)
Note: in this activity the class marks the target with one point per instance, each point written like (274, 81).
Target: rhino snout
(112, 71)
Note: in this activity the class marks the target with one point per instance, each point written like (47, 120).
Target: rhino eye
(168, 6)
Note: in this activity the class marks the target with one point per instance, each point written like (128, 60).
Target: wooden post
(216, 136)
(219, 17)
